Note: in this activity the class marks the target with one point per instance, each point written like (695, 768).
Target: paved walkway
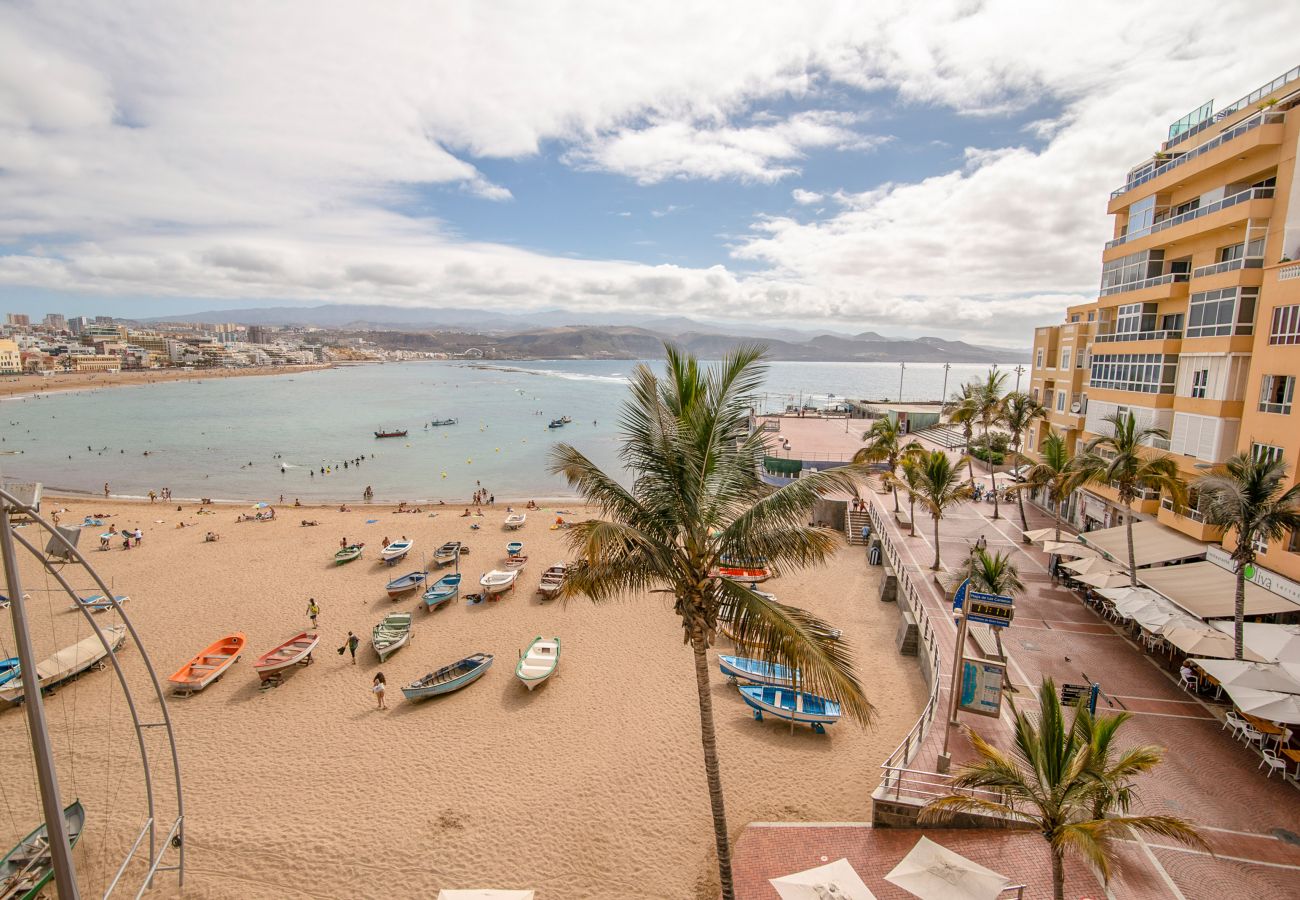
(1252, 822)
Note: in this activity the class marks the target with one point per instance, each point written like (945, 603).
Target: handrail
(1250, 124)
(1245, 196)
(1171, 278)
(1166, 335)
(1228, 265)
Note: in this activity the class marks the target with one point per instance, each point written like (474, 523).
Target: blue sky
(939, 170)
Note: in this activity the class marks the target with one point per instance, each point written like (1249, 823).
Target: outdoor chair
(1251, 736)
(1274, 762)
(1189, 682)
(1233, 722)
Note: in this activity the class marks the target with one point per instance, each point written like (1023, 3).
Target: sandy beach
(591, 786)
(18, 385)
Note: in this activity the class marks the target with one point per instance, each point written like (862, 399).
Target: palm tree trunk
(895, 489)
(1024, 522)
(993, 482)
(1056, 514)
(936, 544)
(1239, 612)
(1058, 876)
(911, 514)
(709, 741)
(970, 463)
(1132, 556)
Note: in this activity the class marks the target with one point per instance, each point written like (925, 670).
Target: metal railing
(1259, 93)
(1145, 493)
(1171, 278)
(1282, 409)
(1167, 335)
(1230, 265)
(1209, 209)
(1186, 512)
(1265, 118)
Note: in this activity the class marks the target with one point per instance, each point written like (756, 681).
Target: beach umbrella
(1090, 564)
(1202, 640)
(1285, 679)
(933, 872)
(262, 505)
(483, 894)
(1038, 535)
(1069, 548)
(1275, 642)
(833, 881)
(1272, 706)
(1104, 579)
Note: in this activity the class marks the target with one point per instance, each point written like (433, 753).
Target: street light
(1020, 370)
(943, 398)
(901, 368)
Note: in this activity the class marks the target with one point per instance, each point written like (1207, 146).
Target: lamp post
(1020, 370)
(901, 368)
(943, 397)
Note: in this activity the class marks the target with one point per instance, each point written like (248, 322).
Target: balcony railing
(1143, 493)
(1282, 409)
(1230, 265)
(1288, 273)
(1267, 118)
(1192, 214)
(1171, 278)
(1138, 336)
(1187, 512)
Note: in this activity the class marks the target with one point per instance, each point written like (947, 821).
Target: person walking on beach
(312, 611)
(353, 641)
(105, 490)
(378, 687)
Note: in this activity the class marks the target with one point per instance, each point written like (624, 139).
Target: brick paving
(1207, 777)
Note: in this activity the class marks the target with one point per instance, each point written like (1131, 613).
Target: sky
(911, 168)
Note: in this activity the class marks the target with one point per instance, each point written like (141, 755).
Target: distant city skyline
(911, 170)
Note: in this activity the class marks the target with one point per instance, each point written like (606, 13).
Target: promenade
(1252, 822)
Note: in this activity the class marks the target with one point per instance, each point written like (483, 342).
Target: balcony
(1188, 521)
(1148, 502)
(1138, 336)
(1171, 278)
(1264, 118)
(1231, 265)
(1192, 215)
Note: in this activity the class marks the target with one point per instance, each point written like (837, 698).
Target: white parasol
(833, 881)
(933, 872)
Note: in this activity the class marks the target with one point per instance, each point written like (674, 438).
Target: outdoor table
(1294, 756)
(1264, 727)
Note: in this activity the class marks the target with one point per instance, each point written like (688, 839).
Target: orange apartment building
(1196, 326)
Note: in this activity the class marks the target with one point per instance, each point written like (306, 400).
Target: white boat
(515, 521)
(70, 661)
(553, 580)
(391, 635)
(538, 662)
(396, 550)
(497, 581)
(448, 553)
(791, 705)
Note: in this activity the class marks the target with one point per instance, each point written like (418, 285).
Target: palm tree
(988, 406)
(697, 501)
(885, 444)
(1120, 460)
(1019, 412)
(909, 480)
(963, 409)
(1066, 783)
(939, 488)
(1055, 473)
(992, 573)
(1249, 496)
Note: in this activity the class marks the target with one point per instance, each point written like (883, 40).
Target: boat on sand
(69, 662)
(515, 521)
(552, 580)
(444, 589)
(347, 554)
(28, 867)
(448, 553)
(391, 635)
(272, 665)
(405, 584)
(449, 678)
(396, 550)
(209, 665)
(538, 662)
(756, 671)
(497, 581)
(791, 705)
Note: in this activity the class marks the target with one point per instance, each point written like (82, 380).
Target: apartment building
(1196, 325)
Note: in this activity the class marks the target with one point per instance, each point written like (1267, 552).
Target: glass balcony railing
(1264, 118)
(1138, 336)
(1193, 214)
(1186, 512)
(1142, 493)
(1230, 265)
(1171, 278)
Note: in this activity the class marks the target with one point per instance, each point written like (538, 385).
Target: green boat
(28, 867)
(347, 554)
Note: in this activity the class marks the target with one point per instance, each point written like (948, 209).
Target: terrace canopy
(1208, 591)
(1273, 642)
(1153, 543)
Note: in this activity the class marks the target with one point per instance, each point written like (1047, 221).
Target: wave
(616, 378)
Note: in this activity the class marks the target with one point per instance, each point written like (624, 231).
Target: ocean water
(228, 438)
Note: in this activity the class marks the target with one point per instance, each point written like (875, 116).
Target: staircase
(949, 437)
(853, 522)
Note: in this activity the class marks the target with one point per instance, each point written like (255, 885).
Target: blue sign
(989, 609)
(959, 595)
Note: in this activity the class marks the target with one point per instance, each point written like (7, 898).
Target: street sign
(959, 595)
(989, 609)
(981, 686)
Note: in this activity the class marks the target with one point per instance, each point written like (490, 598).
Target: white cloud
(805, 198)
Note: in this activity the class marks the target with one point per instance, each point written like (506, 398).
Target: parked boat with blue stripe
(757, 671)
(444, 589)
(408, 582)
(449, 678)
(791, 705)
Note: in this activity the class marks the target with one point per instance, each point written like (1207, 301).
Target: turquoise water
(227, 438)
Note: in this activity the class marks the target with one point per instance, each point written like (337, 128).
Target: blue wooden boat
(444, 589)
(405, 583)
(28, 867)
(756, 671)
(791, 705)
(98, 602)
(514, 548)
(9, 669)
(449, 678)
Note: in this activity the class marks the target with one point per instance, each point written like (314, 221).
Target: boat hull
(755, 671)
(69, 662)
(296, 651)
(471, 669)
(539, 662)
(74, 819)
(497, 583)
(443, 589)
(792, 706)
(208, 666)
(346, 556)
(391, 635)
(404, 585)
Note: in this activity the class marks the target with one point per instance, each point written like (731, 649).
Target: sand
(16, 385)
(590, 786)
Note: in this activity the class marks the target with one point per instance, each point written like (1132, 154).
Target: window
(1129, 271)
(1038, 360)
(1171, 322)
(1146, 373)
(1265, 452)
(1090, 316)
(1222, 312)
(1200, 381)
(1035, 393)
(1065, 358)
(1285, 328)
(1275, 393)
(1060, 401)
(1079, 360)
(1074, 317)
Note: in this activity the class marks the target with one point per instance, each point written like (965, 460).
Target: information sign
(981, 686)
(989, 609)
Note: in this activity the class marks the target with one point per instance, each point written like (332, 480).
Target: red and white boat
(746, 574)
(296, 651)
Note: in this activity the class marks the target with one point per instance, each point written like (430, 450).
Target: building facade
(1196, 325)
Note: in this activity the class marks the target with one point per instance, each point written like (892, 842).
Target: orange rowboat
(296, 651)
(750, 574)
(209, 665)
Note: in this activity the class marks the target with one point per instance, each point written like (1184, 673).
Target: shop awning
(1152, 543)
(1207, 591)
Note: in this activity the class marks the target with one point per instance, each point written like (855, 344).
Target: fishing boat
(514, 548)
(756, 671)
(444, 589)
(538, 662)
(791, 705)
(746, 574)
(565, 420)
(396, 550)
(448, 553)
(436, 422)
(497, 581)
(209, 665)
(405, 584)
(390, 434)
(347, 554)
(9, 669)
(28, 867)
(515, 521)
(449, 678)
(272, 665)
(516, 562)
(98, 602)
(69, 662)
(552, 580)
(555, 423)
(391, 635)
